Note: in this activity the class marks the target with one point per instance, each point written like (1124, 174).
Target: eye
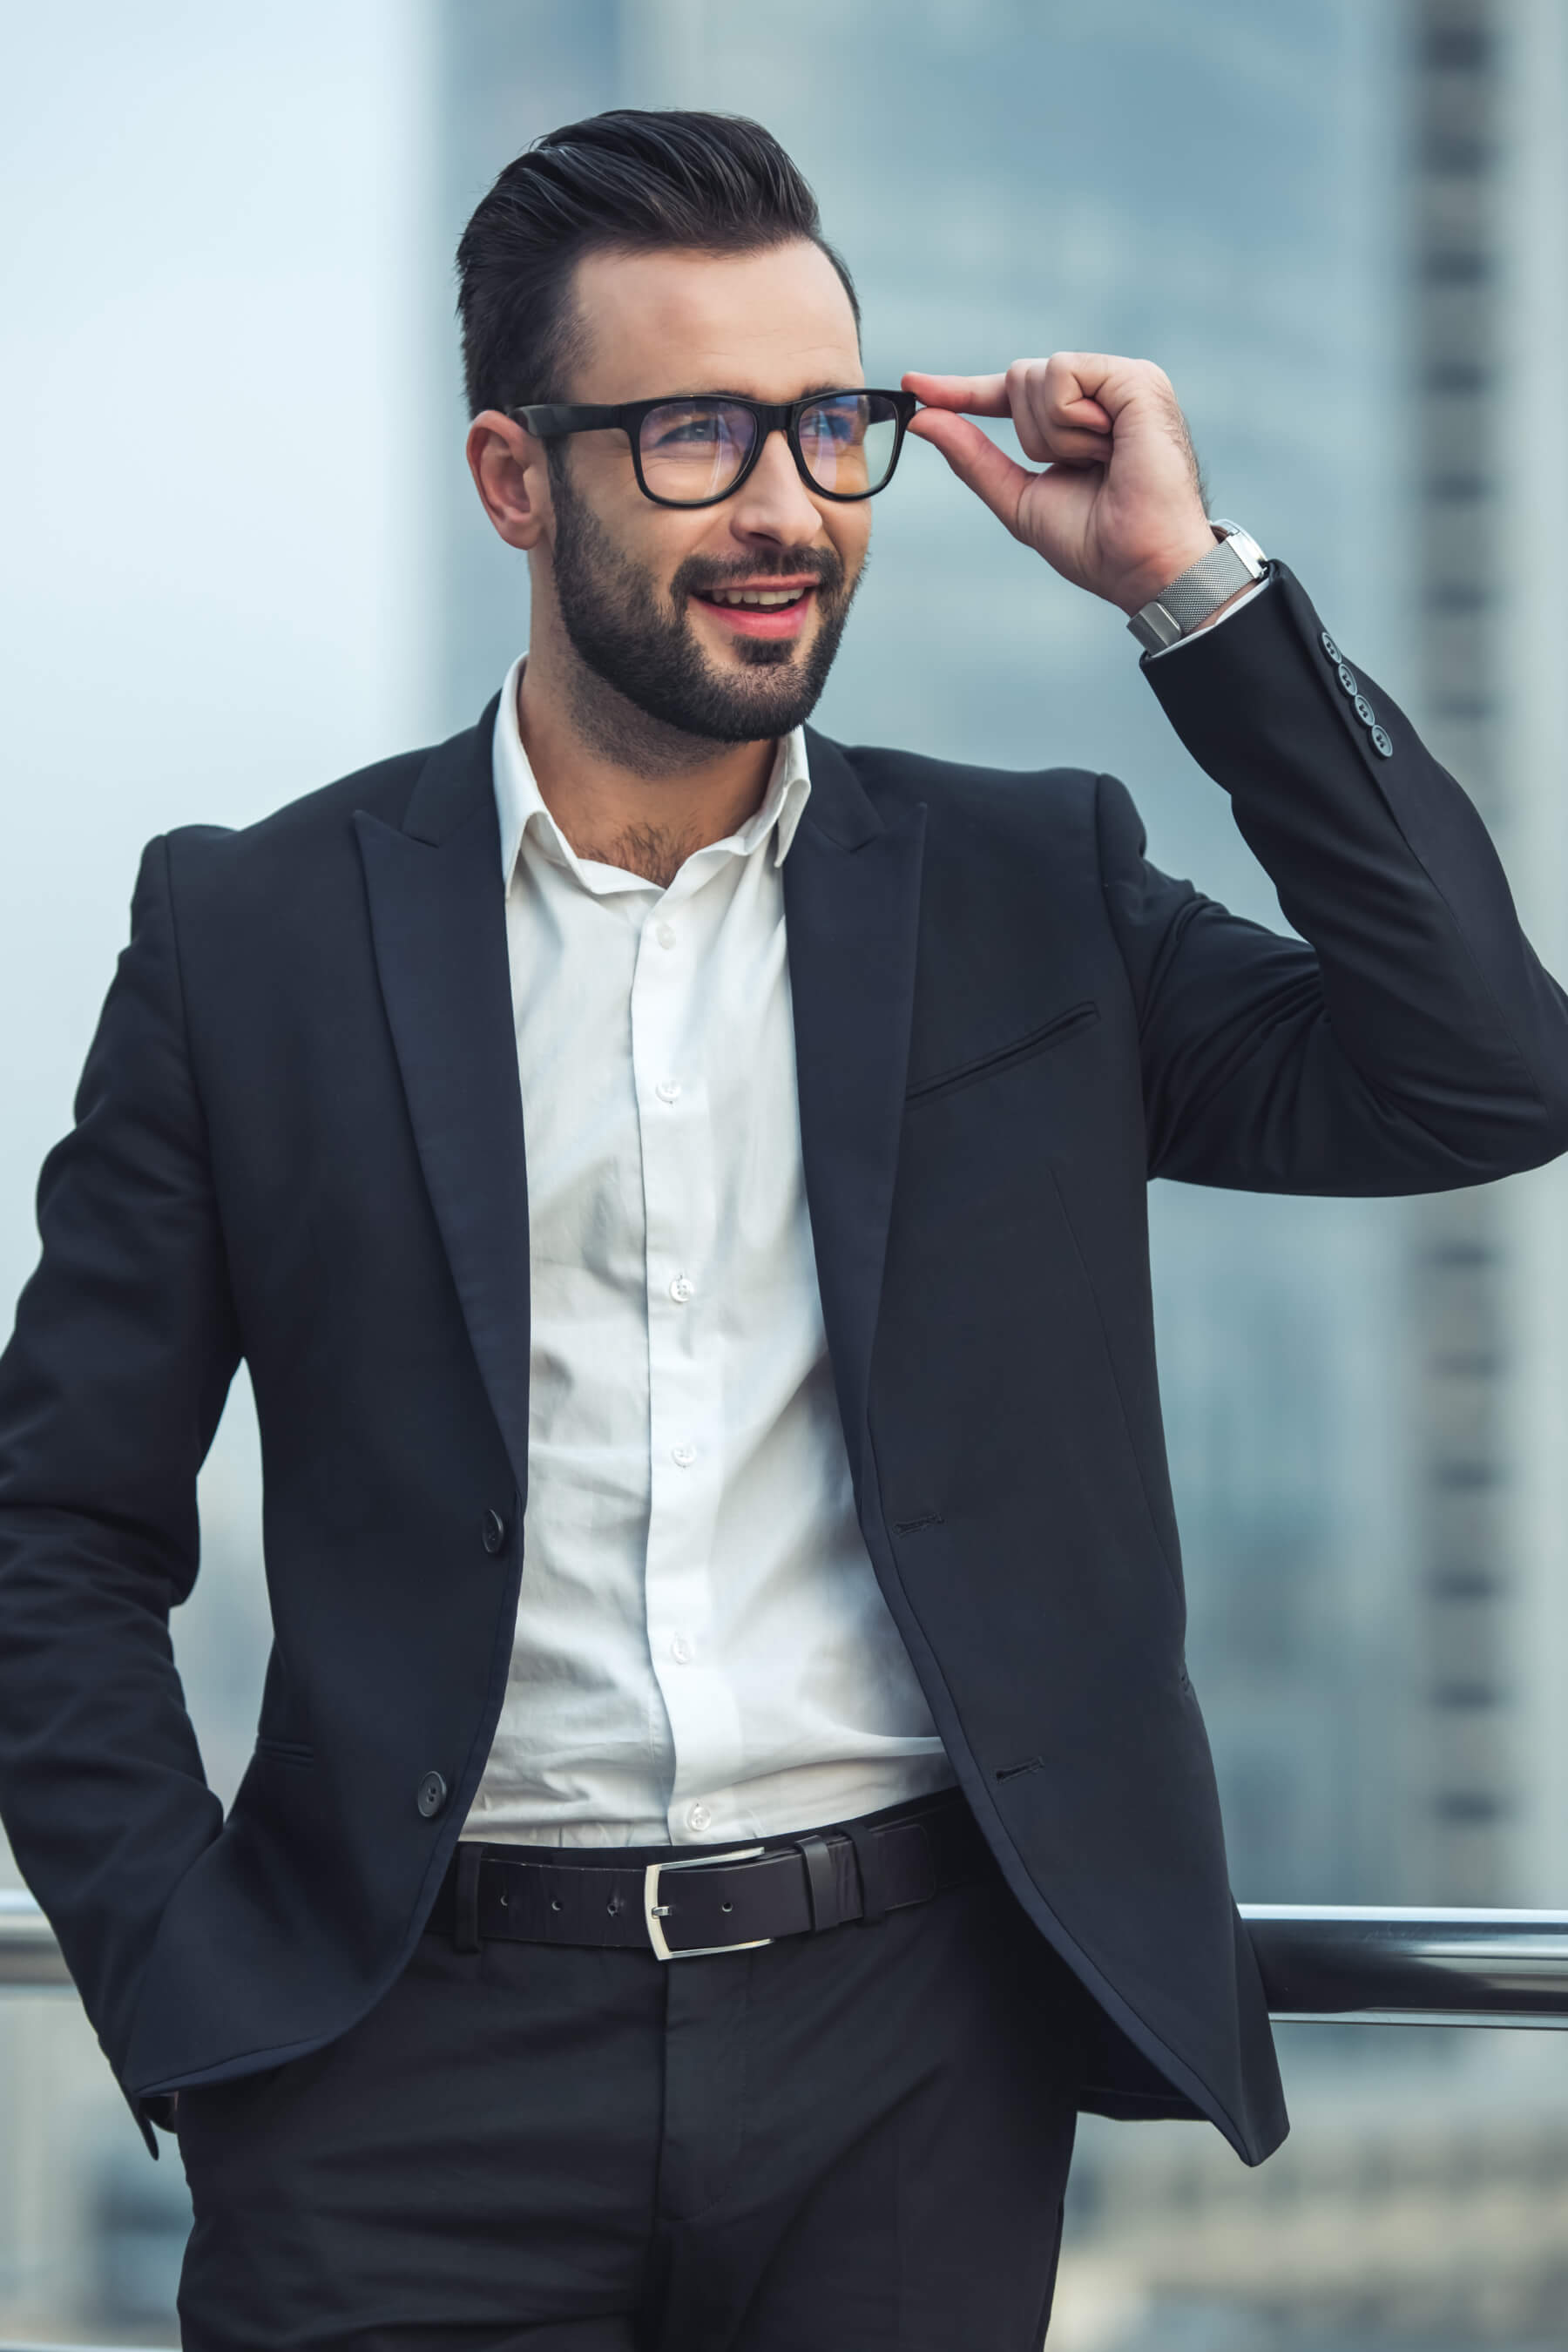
(835, 428)
(692, 432)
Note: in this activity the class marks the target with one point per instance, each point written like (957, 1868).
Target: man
(820, 1520)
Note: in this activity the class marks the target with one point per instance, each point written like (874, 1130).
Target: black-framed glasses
(694, 450)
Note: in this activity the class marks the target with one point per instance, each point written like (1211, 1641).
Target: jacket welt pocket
(286, 1752)
(1052, 1032)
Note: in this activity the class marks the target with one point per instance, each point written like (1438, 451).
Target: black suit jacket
(298, 1138)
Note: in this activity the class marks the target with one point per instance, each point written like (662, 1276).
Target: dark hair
(625, 181)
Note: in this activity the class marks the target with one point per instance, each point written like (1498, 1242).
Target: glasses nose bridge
(783, 420)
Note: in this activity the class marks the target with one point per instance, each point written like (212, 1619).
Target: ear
(510, 475)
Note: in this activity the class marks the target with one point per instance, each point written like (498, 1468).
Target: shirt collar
(520, 804)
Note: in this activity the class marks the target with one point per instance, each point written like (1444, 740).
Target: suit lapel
(438, 921)
(437, 907)
(851, 904)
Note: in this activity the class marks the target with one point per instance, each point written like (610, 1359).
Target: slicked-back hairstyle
(628, 182)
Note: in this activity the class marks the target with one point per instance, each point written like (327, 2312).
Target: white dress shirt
(702, 1651)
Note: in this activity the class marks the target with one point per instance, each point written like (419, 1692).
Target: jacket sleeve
(1409, 1040)
(110, 1392)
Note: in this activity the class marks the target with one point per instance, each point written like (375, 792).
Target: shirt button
(680, 1650)
(698, 1817)
(665, 935)
(668, 1089)
(683, 1288)
(683, 1456)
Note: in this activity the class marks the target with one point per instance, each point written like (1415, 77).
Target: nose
(773, 503)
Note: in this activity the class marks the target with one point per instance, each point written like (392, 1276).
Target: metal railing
(1321, 1964)
(29, 1954)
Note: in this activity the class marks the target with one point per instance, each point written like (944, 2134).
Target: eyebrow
(724, 392)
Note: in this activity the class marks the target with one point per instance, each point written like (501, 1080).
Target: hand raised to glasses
(1119, 509)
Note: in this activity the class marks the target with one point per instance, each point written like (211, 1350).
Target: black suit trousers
(853, 2141)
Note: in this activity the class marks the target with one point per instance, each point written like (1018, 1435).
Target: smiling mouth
(763, 599)
(780, 614)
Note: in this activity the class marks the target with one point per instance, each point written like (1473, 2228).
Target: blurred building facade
(1485, 225)
(1342, 230)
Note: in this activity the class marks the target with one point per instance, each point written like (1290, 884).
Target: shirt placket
(685, 1398)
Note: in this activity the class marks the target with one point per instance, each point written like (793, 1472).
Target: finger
(979, 395)
(988, 471)
(1059, 443)
(1086, 416)
(1098, 376)
(1056, 419)
(1115, 383)
(1075, 446)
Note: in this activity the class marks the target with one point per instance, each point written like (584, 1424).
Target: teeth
(764, 596)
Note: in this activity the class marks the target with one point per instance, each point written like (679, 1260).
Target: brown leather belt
(692, 1904)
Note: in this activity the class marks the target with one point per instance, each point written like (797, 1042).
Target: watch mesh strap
(1190, 596)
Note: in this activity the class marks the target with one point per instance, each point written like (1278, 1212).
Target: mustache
(699, 576)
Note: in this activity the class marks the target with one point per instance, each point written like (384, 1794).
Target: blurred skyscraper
(1487, 224)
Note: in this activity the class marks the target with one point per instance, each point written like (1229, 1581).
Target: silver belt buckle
(654, 1912)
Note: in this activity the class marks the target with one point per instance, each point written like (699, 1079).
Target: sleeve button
(1382, 742)
(1329, 646)
(1365, 711)
(1349, 681)
(432, 1796)
(492, 1532)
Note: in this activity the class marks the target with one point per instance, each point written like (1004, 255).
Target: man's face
(636, 583)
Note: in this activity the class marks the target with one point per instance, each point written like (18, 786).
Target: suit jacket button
(432, 1795)
(1329, 646)
(1349, 680)
(1382, 742)
(492, 1532)
(1365, 711)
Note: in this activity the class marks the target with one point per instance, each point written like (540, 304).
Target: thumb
(974, 457)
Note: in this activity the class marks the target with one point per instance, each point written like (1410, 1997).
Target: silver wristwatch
(1194, 594)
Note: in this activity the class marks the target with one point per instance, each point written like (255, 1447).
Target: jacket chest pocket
(1026, 1049)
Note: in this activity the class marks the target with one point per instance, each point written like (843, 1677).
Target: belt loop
(466, 1898)
(869, 1862)
(820, 1880)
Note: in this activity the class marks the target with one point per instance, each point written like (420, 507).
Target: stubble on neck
(657, 852)
(690, 802)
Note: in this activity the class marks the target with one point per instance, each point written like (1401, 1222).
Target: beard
(639, 640)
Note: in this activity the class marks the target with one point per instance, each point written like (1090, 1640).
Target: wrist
(1196, 597)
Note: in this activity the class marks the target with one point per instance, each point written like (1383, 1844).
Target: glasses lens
(849, 442)
(692, 450)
